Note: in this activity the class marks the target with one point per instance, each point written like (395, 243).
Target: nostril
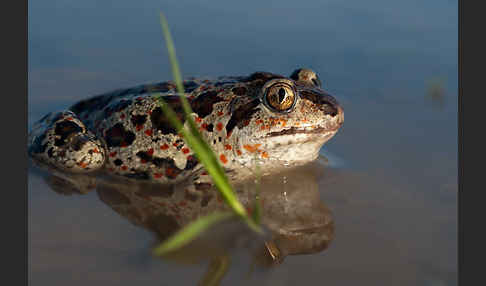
(329, 109)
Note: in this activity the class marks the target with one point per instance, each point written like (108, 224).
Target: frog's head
(280, 119)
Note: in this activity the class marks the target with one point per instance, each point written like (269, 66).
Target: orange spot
(223, 159)
(219, 126)
(262, 127)
(139, 127)
(238, 152)
(148, 132)
(246, 122)
(265, 155)
(259, 121)
(220, 113)
(124, 168)
(150, 151)
(252, 148)
(95, 150)
(164, 147)
(69, 118)
(83, 164)
(227, 147)
(157, 175)
(174, 144)
(204, 126)
(198, 119)
(185, 150)
(112, 154)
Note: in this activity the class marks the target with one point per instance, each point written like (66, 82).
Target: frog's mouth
(293, 130)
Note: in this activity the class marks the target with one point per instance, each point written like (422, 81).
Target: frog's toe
(84, 152)
(62, 141)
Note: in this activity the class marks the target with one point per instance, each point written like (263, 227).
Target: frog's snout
(330, 106)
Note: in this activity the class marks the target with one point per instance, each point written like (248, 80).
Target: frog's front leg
(62, 141)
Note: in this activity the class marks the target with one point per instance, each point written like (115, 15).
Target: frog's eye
(280, 97)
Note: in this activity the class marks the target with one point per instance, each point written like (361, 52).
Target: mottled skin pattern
(263, 118)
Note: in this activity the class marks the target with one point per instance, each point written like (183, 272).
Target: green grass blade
(194, 139)
(189, 232)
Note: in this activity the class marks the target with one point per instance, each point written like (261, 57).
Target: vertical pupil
(281, 95)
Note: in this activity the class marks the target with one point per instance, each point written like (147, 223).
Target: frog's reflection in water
(296, 219)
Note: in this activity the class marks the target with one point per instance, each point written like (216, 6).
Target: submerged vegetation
(209, 160)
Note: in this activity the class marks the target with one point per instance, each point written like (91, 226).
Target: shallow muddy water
(378, 208)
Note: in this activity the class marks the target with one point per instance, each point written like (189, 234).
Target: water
(391, 182)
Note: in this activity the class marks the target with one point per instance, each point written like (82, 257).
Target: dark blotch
(117, 136)
(138, 119)
(160, 121)
(203, 104)
(240, 91)
(118, 162)
(78, 142)
(241, 114)
(295, 74)
(325, 102)
(159, 87)
(189, 86)
(264, 76)
(144, 156)
(191, 162)
(210, 127)
(117, 107)
(94, 103)
(168, 164)
(65, 129)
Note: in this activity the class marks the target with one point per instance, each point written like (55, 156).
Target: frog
(263, 118)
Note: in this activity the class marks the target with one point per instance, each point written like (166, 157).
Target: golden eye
(280, 97)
